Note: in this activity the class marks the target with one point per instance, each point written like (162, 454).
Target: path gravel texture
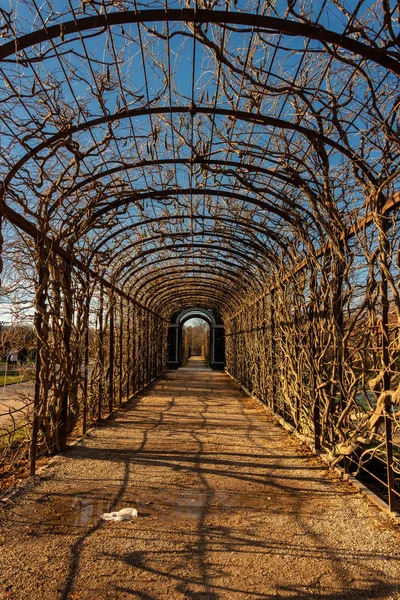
(230, 506)
(16, 402)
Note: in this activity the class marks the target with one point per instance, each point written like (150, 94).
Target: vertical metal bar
(389, 457)
(67, 321)
(100, 353)
(273, 403)
(1, 237)
(143, 349)
(121, 333)
(145, 346)
(148, 353)
(86, 357)
(152, 344)
(297, 357)
(110, 391)
(134, 377)
(156, 347)
(160, 340)
(337, 306)
(38, 322)
(129, 320)
(312, 346)
(384, 252)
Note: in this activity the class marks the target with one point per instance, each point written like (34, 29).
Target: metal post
(384, 252)
(142, 350)
(297, 356)
(134, 358)
(1, 237)
(273, 402)
(67, 322)
(129, 319)
(111, 356)
(38, 322)
(314, 393)
(337, 308)
(145, 346)
(121, 333)
(100, 353)
(86, 357)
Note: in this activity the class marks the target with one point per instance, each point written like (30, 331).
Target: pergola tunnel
(230, 162)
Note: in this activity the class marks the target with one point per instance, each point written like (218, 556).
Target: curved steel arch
(218, 299)
(188, 313)
(256, 118)
(170, 300)
(278, 25)
(198, 283)
(176, 161)
(162, 194)
(221, 273)
(181, 246)
(255, 248)
(244, 271)
(247, 224)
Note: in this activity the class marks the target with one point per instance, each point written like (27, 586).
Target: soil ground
(230, 507)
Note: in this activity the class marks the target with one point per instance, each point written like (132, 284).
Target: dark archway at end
(217, 337)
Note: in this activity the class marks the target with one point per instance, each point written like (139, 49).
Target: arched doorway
(195, 340)
(217, 337)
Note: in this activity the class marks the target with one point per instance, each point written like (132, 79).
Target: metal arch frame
(176, 161)
(169, 300)
(244, 271)
(189, 298)
(242, 241)
(223, 274)
(256, 118)
(142, 164)
(276, 25)
(242, 223)
(181, 246)
(216, 299)
(209, 257)
(188, 313)
(201, 283)
(162, 194)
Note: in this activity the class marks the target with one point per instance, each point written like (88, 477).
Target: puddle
(80, 512)
(86, 512)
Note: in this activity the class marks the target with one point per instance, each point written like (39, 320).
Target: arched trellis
(139, 207)
(285, 26)
(258, 119)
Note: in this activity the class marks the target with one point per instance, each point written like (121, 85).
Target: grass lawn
(14, 377)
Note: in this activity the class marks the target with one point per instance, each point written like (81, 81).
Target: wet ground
(229, 506)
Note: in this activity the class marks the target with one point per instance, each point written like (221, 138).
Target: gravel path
(16, 402)
(230, 506)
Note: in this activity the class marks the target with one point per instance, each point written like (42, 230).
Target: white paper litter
(125, 514)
